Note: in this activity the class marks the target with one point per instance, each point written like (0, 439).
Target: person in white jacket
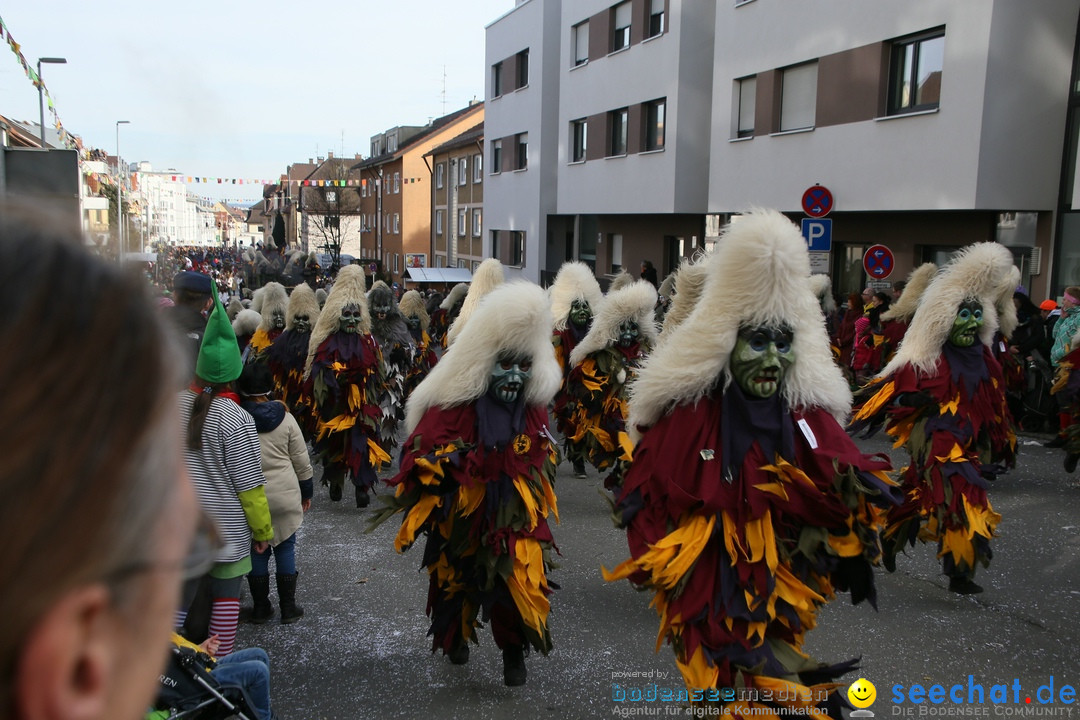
(289, 489)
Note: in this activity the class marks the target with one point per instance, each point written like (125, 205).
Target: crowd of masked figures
(714, 407)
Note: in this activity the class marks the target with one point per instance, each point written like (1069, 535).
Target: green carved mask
(965, 329)
(760, 359)
(580, 313)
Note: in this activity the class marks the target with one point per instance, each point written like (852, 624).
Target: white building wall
(981, 149)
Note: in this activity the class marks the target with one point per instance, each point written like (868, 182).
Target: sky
(239, 89)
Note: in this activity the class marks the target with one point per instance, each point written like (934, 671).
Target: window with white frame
(440, 176)
(656, 17)
(397, 224)
(798, 97)
(397, 183)
(438, 222)
(579, 136)
(397, 258)
(477, 216)
(620, 27)
(462, 220)
(579, 41)
(747, 98)
(915, 72)
(462, 172)
(477, 168)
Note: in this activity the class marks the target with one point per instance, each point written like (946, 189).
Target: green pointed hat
(219, 355)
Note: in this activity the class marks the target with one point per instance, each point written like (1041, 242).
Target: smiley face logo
(862, 693)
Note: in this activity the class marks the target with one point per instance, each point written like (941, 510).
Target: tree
(331, 211)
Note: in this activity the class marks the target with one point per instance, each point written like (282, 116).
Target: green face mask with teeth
(760, 359)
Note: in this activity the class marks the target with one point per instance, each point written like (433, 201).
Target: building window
(656, 17)
(477, 168)
(363, 189)
(616, 242)
(579, 134)
(620, 32)
(397, 224)
(517, 248)
(655, 112)
(462, 222)
(915, 79)
(496, 80)
(440, 175)
(397, 257)
(747, 102)
(798, 97)
(522, 70)
(617, 121)
(397, 183)
(477, 216)
(495, 244)
(521, 142)
(440, 261)
(438, 222)
(496, 156)
(579, 35)
(462, 172)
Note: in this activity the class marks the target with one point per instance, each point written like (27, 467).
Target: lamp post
(41, 90)
(120, 192)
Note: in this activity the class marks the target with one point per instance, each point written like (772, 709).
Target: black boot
(1070, 462)
(362, 497)
(514, 673)
(260, 593)
(286, 590)
(1056, 442)
(459, 653)
(964, 586)
(579, 469)
(335, 478)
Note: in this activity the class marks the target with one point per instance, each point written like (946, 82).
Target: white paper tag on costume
(808, 433)
(1001, 344)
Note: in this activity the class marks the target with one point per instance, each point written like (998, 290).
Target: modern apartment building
(933, 125)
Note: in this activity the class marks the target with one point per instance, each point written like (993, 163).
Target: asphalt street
(361, 650)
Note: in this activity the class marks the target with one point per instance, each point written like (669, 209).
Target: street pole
(41, 91)
(121, 175)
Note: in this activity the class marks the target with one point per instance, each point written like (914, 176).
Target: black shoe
(459, 655)
(579, 470)
(514, 665)
(362, 498)
(335, 493)
(889, 561)
(1057, 442)
(964, 586)
(1070, 462)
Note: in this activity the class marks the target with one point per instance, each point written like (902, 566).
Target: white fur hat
(456, 295)
(487, 277)
(246, 322)
(1006, 308)
(822, 287)
(515, 318)
(978, 272)
(574, 281)
(349, 289)
(302, 302)
(759, 275)
(636, 302)
(621, 280)
(689, 284)
(274, 299)
(904, 308)
(412, 304)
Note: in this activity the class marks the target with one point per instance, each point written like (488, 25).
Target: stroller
(189, 692)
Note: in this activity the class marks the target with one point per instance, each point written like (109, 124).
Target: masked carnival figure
(447, 313)
(487, 277)
(288, 355)
(747, 506)
(273, 308)
(895, 320)
(476, 479)
(345, 372)
(602, 366)
(416, 317)
(395, 342)
(942, 398)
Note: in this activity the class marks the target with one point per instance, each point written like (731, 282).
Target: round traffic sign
(878, 262)
(817, 201)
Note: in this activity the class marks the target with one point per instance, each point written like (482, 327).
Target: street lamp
(120, 192)
(41, 91)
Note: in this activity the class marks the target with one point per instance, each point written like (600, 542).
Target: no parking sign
(878, 262)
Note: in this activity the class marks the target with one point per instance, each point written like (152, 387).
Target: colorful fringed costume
(744, 517)
(423, 360)
(286, 358)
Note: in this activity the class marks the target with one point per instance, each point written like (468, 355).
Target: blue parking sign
(818, 234)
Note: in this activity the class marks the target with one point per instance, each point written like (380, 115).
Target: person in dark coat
(193, 297)
(648, 272)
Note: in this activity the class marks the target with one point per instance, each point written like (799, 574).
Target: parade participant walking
(487, 277)
(747, 504)
(222, 459)
(476, 478)
(288, 354)
(273, 310)
(943, 398)
(416, 317)
(447, 313)
(1064, 328)
(391, 333)
(602, 366)
(575, 297)
(345, 369)
(895, 320)
(287, 469)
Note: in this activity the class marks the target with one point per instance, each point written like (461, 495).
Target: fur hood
(977, 272)
(904, 308)
(412, 304)
(274, 299)
(620, 281)
(822, 287)
(689, 284)
(759, 275)
(257, 299)
(575, 281)
(246, 322)
(634, 302)
(349, 289)
(1006, 308)
(320, 296)
(456, 295)
(514, 317)
(302, 301)
(667, 287)
(235, 306)
(487, 277)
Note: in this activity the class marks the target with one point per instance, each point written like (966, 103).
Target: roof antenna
(444, 90)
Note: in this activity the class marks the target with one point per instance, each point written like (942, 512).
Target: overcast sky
(242, 89)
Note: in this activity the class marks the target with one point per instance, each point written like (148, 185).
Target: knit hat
(219, 355)
(1048, 305)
